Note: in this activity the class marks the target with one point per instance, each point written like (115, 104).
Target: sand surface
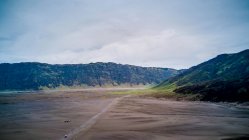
(41, 116)
(97, 115)
(152, 119)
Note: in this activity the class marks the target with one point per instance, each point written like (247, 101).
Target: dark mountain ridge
(223, 78)
(33, 75)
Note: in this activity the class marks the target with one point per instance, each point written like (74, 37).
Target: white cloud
(160, 49)
(168, 33)
(167, 48)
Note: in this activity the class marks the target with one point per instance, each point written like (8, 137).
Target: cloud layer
(146, 33)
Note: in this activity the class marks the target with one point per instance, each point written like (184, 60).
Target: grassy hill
(223, 78)
(22, 76)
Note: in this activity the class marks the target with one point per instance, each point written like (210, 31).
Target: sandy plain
(98, 115)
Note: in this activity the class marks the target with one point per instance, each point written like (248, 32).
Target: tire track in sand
(72, 135)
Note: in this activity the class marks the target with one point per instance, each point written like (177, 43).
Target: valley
(124, 70)
(99, 114)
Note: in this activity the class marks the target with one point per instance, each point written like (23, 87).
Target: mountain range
(35, 76)
(223, 78)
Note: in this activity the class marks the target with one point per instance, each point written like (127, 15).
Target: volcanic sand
(97, 115)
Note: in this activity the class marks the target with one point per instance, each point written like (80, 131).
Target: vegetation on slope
(224, 78)
(22, 76)
(235, 90)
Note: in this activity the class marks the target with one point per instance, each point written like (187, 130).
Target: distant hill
(223, 78)
(23, 76)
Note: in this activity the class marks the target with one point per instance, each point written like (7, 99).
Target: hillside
(22, 76)
(224, 77)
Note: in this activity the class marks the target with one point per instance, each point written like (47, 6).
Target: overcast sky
(160, 33)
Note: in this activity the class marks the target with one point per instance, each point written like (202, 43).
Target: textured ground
(96, 115)
(151, 119)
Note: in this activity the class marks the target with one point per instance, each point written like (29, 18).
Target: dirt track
(152, 119)
(96, 115)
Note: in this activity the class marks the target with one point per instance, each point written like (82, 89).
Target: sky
(152, 33)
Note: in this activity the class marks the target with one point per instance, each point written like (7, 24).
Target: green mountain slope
(21, 76)
(223, 76)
